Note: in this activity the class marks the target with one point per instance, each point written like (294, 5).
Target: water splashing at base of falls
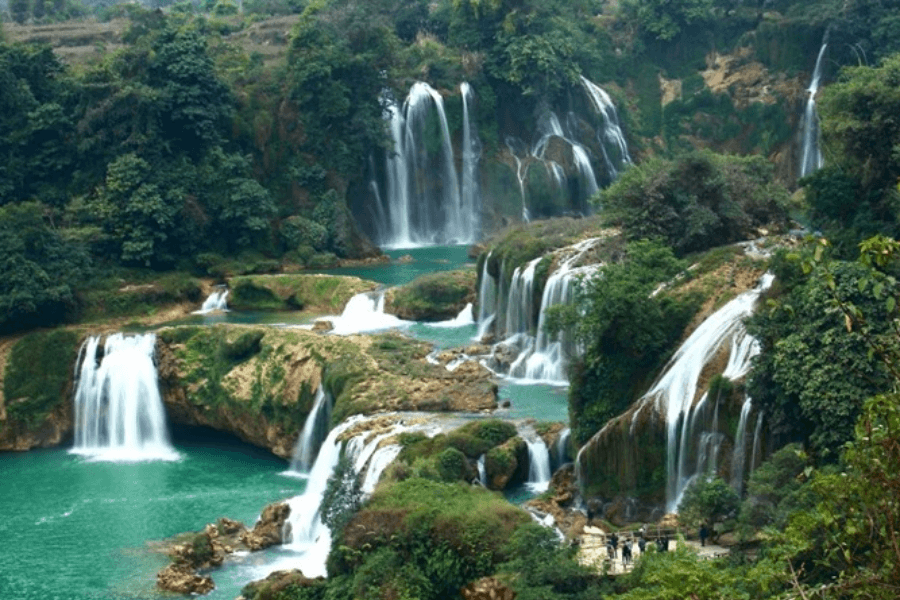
(363, 313)
(119, 414)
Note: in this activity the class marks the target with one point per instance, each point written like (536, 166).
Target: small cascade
(464, 318)
(482, 472)
(562, 447)
(550, 127)
(612, 140)
(424, 204)
(487, 300)
(315, 430)
(119, 414)
(520, 307)
(674, 392)
(517, 150)
(216, 301)
(364, 312)
(538, 464)
(755, 455)
(811, 150)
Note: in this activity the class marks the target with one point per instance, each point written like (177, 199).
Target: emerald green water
(424, 261)
(79, 530)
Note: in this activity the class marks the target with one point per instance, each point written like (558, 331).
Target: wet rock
(182, 579)
(323, 325)
(272, 586)
(268, 531)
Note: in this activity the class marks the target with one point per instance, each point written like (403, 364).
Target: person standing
(704, 533)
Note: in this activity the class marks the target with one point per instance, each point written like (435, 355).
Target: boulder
(268, 531)
(183, 579)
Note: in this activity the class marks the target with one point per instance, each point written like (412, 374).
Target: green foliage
(696, 201)
(38, 269)
(666, 19)
(626, 332)
(542, 569)
(38, 372)
(774, 490)
(813, 373)
(433, 297)
(708, 500)
(452, 465)
(343, 495)
(245, 346)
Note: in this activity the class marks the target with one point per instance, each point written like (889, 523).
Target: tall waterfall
(424, 204)
(811, 151)
(119, 414)
(539, 356)
(674, 393)
(315, 430)
(611, 139)
(539, 471)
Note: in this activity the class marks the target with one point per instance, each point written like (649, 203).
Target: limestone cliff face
(262, 390)
(55, 429)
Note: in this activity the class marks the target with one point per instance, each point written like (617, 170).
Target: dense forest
(180, 154)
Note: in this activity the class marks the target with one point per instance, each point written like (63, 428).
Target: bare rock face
(268, 530)
(488, 588)
(272, 586)
(183, 579)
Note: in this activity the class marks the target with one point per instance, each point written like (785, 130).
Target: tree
(707, 501)
(666, 19)
(696, 201)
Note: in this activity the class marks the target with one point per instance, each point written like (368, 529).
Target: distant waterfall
(674, 392)
(315, 430)
(119, 414)
(521, 323)
(424, 204)
(549, 126)
(364, 312)
(217, 300)
(612, 140)
(811, 150)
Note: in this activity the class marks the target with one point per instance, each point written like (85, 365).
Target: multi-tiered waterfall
(510, 310)
(811, 151)
(425, 202)
(690, 421)
(119, 414)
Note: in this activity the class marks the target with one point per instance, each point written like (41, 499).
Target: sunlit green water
(78, 530)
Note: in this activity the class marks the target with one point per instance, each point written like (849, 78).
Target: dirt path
(593, 552)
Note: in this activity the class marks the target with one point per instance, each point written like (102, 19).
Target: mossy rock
(139, 298)
(433, 297)
(506, 464)
(318, 293)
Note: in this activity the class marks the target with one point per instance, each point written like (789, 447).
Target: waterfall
(487, 300)
(538, 464)
(464, 318)
(364, 312)
(811, 150)
(520, 308)
(471, 153)
(739, 455)
(755, 457)
(562, 446)
(215, 301)
(611, 136)
(674, 392)
(424, 204)
(315, 430)
(482, 472)
(119, 414)
(549, 127)
(516, 147)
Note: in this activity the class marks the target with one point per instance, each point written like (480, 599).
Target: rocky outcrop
(51, 431)
(208, 549)
(433, 297)
(505, 463)
(272, 586)
(297, 291)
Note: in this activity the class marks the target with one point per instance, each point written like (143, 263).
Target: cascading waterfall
(422, 209)
(673, 394)
(562, 446)
(482, 471)
(550, 127)
(811, 150)
(516, 148)
(539, 472)
(315, 430)
(611, 137)
(547, 360)
(119, 414)
(487, 300)
(739, 455)
(217, 300)
(755, 457)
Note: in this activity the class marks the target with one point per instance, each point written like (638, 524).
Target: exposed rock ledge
(209, 548)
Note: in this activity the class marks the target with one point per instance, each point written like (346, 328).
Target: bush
(452, 465)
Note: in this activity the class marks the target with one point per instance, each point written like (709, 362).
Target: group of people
(612, 546)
